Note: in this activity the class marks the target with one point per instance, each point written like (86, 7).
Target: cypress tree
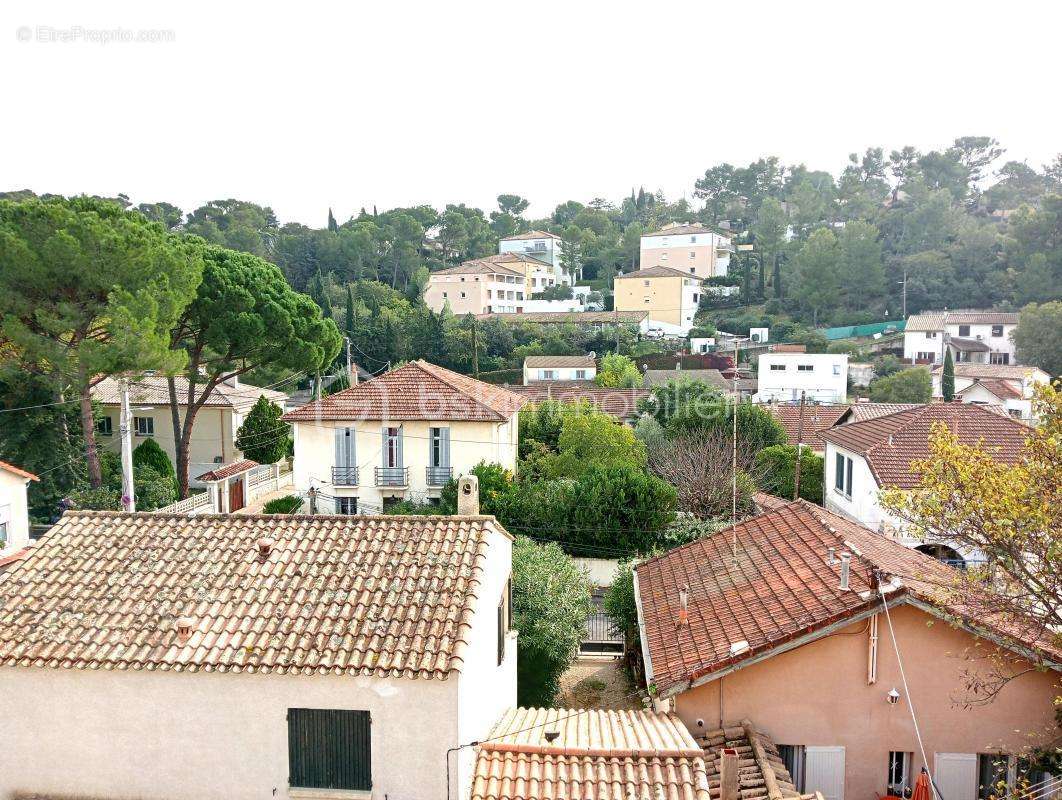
(947, 378)
(333, 226)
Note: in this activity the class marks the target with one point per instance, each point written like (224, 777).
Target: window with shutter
(329, 749)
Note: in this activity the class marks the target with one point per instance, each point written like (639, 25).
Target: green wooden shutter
(329, 749)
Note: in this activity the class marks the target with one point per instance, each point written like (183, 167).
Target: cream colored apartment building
(669, 295)
(477, 287)
(693, 249)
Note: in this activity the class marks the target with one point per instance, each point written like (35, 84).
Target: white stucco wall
(826, 382)
(532, 374)
(546, 249)
(207, 736)
(915, 342)
(470, 443)
(14, 512)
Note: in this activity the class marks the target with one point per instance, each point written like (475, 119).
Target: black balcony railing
(344, 476)
(438, 476)
(392, 476)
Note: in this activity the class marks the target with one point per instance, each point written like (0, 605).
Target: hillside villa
(401, 436)
(669, 295)
(542, 246)
(976, 337)
(795, 620)
(1007, 386)
(691, 248)
(224, 657)
(864, 457)
(476, 287)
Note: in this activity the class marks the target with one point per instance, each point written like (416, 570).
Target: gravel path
(590, 683)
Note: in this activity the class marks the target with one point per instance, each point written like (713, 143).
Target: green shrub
(777, 464)
(283, 505)
(149, 455)
(263, 437)
(153, 489)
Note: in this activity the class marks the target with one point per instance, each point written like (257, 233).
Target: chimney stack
(184, 629)
(468, 496)
(684, 602)
(265, 547)
(846, 566)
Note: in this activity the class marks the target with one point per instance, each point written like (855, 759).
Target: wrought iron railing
(392, 476)
(602, 629)
(344, 476)
(438, 476)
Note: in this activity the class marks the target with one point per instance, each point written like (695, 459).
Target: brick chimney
(468, 496)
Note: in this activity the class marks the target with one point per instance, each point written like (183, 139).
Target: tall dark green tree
(947, 378)
(263, 437)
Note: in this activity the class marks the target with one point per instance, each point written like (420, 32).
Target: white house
(560, 368)
(239, 657)
(1007, 386)
(213, 439)
(864, 457)
(693, 249)
(14, 508)
(976, 337)
(542, 245)
(821, 377)
(702, 344)
(401, 436)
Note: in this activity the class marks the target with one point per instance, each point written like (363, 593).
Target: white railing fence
(195, 504)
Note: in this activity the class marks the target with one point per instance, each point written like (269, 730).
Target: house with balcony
(542, 246)
(974, 337)
(1006, 386)
(213, 441)
(232, 657)
(693, 249)
(669, 295)
(477, 287)
(560, 368)
(879, 452)
(401, 436)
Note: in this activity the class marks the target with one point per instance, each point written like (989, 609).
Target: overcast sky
(304, 105)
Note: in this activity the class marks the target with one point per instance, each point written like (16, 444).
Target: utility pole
(350, 373)
(125, 427)
(904, 282)
(733, 456)
(800, 439)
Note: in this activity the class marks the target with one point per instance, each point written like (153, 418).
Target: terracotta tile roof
(535, 234)
(860, 412)
(657, 272)
(478, 267)
(891, 443)
(1007, 372)
(925, 322)
(768, 502)
(680, 230)
(154, 390)
(816, 419)
(598, 753)
(620, 403)
(659, 377)
(572, 317)
(587, 360)
(516, 258)
(17, 471)
(969, 345)
(338, 595)
(761, 772)
(779, 589)
(8, 560)
(415, 391)
(227, 471)
(785, 347)
(1002, 389)
(936, 320)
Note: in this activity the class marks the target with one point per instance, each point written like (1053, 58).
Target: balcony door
(392, 449)
(346, 462)
(438, 456)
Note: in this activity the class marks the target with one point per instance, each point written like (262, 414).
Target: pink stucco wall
(818, 695)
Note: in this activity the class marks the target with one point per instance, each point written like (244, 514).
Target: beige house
(213, 435)
(669, 295)
(560, 368)
(542, 246)
(401, 436)
(14, 508)
(477, 287)
(693, 249)
(797, 619)
(225, 657)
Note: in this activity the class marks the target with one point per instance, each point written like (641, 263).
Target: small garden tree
(906, 386)
(149, 456)
(618, 372)
(777, 467)
(263, 437)
(551, 603)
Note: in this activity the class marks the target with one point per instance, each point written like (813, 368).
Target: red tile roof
(227, 471)
(585, 360)
(780, 588)
(816, 419)
(572, 317)
(859, 412)
(479, 267)
(597, 753)
(619, 403)
(768, 502)
(1002, 389)
(658, 272)
(679, 230)
(337, 595)
(534, 234)
(154, 390)
(890, 444)
(17, 471)
(416, 391)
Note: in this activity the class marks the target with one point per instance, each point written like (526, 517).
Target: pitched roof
(680, 230)
(619, 403)
(478, 267)
(516, 258)
(658, 377)
(891, 443)
(768, 502)
(587, 360)
(154, 390)
(17, 471)
(859, 412)
(937, 320)
(415, 391)
(1004, 390)
(597, 753)
(968, 345)
(657, 272)
(925, 322)
(227, 471)
(760, 767)
(575, 317)
(534, 234)
(816, 420)
(1007, 372)
(338, 595)
(780, 591)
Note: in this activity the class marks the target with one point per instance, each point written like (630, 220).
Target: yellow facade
(660, 295)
